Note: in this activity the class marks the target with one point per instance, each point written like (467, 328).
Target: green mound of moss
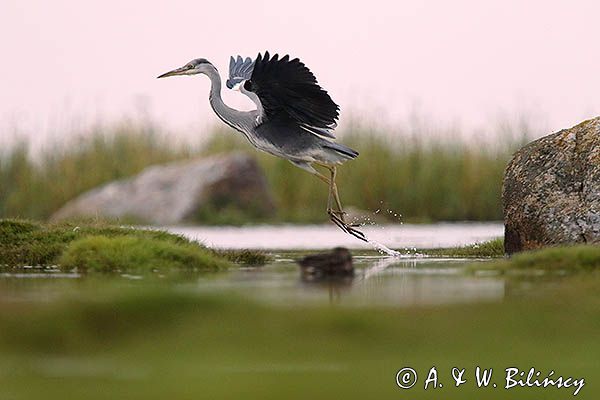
(30, 243)
(96, 246)
(137, 254)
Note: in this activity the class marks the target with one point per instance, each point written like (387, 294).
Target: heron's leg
(332, 214)
(336, 196)
(334, 218)
(329, 183)
(340, 210)
(338, 216)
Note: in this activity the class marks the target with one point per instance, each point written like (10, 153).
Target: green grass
(35, 185)
(139, 341)
(246, 256)
(491, 248)
(562, 259)
(415, 174)
(98, 246)
(422, 180)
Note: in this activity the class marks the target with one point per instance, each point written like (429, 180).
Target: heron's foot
(348, 228)
(341, 215)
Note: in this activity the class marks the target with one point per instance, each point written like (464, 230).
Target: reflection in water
(333, 285)
(408, 286)
(377, 268)
(378, 281)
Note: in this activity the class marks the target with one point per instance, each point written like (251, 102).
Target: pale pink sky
(459, 61)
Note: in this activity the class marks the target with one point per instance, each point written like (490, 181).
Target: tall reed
(420, 179)
(418, 175)
(34, 186)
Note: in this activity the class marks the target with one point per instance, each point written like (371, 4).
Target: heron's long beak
(177, 71)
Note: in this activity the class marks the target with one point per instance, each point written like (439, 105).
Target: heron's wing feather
(288, 87)
(240, 69)
(318, 131)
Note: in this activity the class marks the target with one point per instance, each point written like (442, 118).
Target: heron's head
(197, 66)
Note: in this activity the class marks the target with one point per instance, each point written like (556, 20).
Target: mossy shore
(564, 259)
(573, 258)
(491, 248)
(101, 247)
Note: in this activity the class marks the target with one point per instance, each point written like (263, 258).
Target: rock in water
(551, 190)
(179, 192)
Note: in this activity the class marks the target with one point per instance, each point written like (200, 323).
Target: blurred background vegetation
(421, 174)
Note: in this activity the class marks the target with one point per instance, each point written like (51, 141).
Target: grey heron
(294, 117)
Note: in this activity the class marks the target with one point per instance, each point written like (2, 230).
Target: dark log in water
(338, 262)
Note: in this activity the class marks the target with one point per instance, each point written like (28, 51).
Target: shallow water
(288, 237)
(69, 335)
(379, 280)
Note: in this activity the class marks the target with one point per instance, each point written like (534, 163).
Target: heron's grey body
(278, 138)
(294, 116)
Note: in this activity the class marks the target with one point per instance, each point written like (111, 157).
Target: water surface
(410, 279)
(379, 281)
(396, 236)
(204, 336)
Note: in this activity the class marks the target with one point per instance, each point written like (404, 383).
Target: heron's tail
(345, 151)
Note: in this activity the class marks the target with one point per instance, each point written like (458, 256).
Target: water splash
(380, 247)
(383, 249)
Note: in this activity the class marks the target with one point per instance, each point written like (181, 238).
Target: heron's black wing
(240, 69)
(287, 87)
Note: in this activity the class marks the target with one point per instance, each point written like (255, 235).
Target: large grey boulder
(179, 192)
(551, 191)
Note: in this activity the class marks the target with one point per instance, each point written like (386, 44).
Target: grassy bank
(560, 259)
(491, 248)
(417, 178)
(563, 259)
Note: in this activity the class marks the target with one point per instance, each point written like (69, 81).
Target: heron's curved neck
(223, 111)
